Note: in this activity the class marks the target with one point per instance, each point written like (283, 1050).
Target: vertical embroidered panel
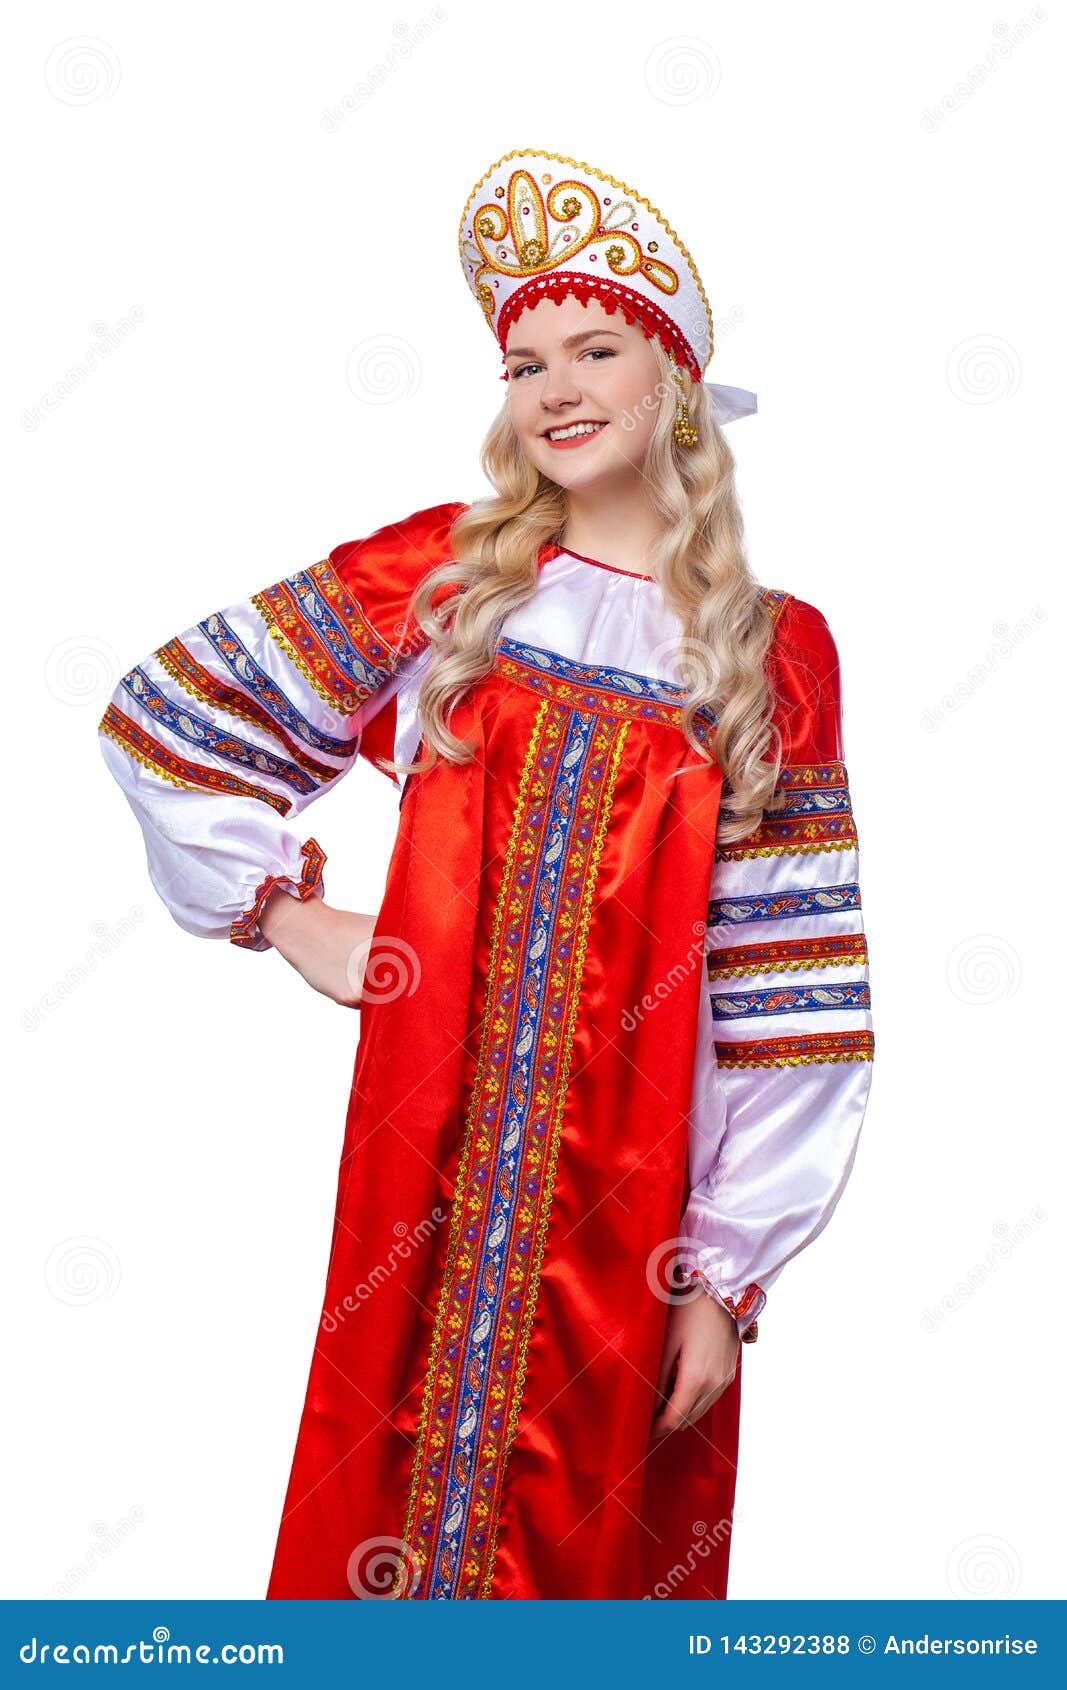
(477, 1360)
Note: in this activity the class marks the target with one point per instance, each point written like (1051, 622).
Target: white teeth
(578, 428)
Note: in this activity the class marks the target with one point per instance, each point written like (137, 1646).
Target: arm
(220, 738)
(786, 1036)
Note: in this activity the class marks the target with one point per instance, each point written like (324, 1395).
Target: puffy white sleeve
(785, 1040)
(223, 736)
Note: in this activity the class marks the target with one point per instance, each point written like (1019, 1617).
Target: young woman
(615, 1040)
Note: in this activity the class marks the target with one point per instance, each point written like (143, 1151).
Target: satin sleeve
(786, 1041)
(220, 738)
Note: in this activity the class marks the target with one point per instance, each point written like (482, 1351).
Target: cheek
(637, 404)
(519, 405)
(637, 433)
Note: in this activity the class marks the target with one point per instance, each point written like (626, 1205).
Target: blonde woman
(615, 1039)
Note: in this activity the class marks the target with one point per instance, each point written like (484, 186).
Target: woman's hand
(329, 947)
(702, 1338)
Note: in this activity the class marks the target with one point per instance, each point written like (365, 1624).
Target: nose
(560, 390)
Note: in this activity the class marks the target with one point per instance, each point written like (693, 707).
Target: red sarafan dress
(586, 1034)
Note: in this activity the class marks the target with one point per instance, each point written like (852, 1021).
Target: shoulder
(378, 573)
(799, 627)
(411, 547)
(804, 672)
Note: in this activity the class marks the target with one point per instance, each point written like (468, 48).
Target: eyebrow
(571, 340)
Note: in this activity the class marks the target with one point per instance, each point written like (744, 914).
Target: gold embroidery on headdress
(493, 241)
(520, 243)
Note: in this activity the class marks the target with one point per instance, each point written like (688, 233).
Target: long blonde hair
(699, 562)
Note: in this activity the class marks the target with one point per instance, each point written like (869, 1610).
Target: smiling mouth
(569, 432)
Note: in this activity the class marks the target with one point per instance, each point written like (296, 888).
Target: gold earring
(684, 432)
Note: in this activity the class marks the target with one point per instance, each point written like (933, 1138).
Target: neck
(616, 526)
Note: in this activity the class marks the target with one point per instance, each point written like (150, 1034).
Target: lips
(575, 439)
(578, 422)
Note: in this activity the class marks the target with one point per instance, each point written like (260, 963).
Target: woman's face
(573, 363)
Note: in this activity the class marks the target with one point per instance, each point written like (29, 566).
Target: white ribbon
(731, 402)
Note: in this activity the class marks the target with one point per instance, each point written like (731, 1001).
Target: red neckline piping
(551, 550)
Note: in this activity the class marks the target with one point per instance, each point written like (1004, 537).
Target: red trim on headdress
(611, 295)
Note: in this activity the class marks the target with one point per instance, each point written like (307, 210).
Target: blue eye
(604, 351)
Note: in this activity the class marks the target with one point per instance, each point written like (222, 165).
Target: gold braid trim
(553, 1149)
(148, 763)
(230, 708)
(294, 657)
(464, 1161)
(728, 853)
(797, 1061)
(299, 754)
(854, 960)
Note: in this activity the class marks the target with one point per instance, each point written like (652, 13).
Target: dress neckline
(551, 550)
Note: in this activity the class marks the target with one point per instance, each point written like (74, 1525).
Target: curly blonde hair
(699, 563)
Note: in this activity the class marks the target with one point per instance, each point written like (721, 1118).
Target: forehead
(550, 322)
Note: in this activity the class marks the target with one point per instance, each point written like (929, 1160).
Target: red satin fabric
(804, 675)
(585, 1506)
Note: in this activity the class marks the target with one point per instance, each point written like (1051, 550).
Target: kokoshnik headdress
(538, 225)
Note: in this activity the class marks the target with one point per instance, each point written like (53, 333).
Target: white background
(259, 191)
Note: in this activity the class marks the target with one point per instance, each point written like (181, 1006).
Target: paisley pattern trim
(245, 929)
(473, 1388)
(156, 757)
(257, 699)
(600, 687)
(325, 632)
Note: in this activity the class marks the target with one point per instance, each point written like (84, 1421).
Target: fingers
(678, 1409)
(691, 1398)
(668, 1420)
(667, 1360)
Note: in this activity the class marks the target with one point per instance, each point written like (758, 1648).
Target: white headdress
(538, 225)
